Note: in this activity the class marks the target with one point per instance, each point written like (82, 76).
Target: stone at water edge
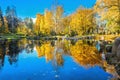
(118, 52)
(108, 48)
(115, 46)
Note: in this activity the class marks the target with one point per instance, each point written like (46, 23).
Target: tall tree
(6, 25)
(81, 22)
(12, 19)
(109, 10)
(29, 22)
(49, 23)
(39, 25)
(1, 21)
(58, 19)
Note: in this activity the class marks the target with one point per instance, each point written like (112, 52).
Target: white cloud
(34, 20)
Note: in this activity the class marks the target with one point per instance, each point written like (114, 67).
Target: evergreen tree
(1, 21)
(12, 19)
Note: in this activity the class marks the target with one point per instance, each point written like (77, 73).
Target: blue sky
(29, 8)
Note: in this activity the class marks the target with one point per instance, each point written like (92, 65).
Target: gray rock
(118, 52)
(115, 46)
(109, 48)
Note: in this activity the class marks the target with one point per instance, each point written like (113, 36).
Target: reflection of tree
(9, 48)
(59, 59)
(13, 51)
(2, 53)
(85, 54)
(28, 45)
(73, 42)
(12, 48)
(47, 50)
(81, 53)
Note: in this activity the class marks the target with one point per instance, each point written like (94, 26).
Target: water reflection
(83, 53)
(11, 49)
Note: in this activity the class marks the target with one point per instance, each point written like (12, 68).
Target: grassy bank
(11, 36)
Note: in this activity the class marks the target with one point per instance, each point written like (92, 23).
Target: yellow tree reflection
(45, 50)
(85, 54)
(50, 53)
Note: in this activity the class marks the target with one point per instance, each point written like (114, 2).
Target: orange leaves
(81, 21)
(85, 54)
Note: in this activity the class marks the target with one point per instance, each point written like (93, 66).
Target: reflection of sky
(30, 67)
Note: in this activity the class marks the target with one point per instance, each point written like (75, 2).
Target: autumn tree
(58, 15)
(109, 11)
(39, 24)
(49, 23)
(81, 22)
(22, 29)
(66, 25)
(6, 25)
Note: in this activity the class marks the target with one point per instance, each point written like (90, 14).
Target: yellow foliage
(109, 10)
(45, 50)
(81, 21)
(22, 29)
(59, 12)
(6, 25)
(85, 54)
(39, 24)
(49, 23)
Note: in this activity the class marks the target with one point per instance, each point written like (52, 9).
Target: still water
(50, 60)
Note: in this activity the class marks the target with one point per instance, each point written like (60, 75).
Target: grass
(11, 36)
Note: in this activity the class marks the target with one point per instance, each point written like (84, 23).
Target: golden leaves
(81, 21)
(85, 54)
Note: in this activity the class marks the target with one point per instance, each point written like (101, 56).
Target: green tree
(12, 19)
(1, 22)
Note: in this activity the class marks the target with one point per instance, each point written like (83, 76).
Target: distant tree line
(11, 23)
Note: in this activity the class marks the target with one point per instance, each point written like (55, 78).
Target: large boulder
(115, 46)
(118, 52)
(103, 46)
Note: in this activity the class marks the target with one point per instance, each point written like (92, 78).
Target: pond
(51, 60)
